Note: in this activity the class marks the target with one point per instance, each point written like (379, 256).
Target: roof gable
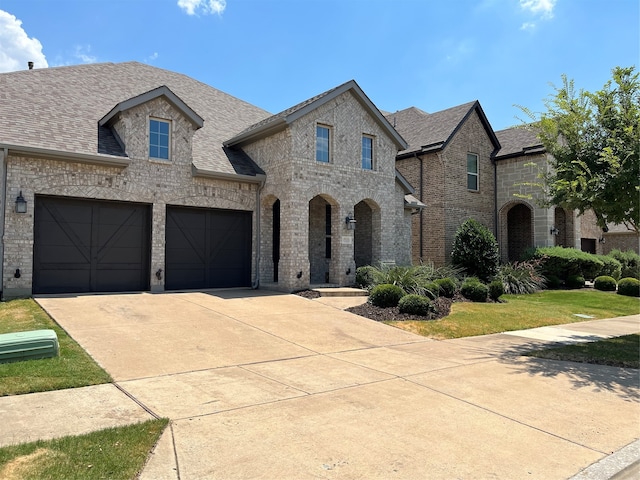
(281, 120)
(518, 141)
(162, 91)
(427, 132)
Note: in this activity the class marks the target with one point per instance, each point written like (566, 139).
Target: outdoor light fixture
(602, 240)
(350, 222)
(21, 204)
(554, 230)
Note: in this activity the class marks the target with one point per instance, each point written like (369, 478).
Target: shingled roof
(432, 131)
(517, 141)
(280, 121)
(59, 109)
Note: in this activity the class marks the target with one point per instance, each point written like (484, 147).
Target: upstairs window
(367, 152)
(323, 144)
(472, 172)
(159, 139)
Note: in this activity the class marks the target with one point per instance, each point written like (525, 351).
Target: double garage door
(100, 246)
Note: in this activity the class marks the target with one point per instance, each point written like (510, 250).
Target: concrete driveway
(271, 386)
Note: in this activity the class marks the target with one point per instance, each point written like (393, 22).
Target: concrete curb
(621, 465)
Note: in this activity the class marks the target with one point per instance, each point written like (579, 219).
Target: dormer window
(159, 139)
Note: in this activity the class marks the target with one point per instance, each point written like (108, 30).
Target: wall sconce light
(17, 273)
(159, 274)
(602, 240)
(299, 274)
(21, 204)
(348, 271)
(350, 222)
(554, 230)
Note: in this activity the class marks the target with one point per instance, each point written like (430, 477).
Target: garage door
(90, 246)
(207, 248)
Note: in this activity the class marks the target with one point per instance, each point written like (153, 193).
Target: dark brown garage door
(90, 246)
(207, 248)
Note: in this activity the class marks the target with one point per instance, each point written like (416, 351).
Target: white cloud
(16, 48)
(191, 7)
(544, 8)
(83, 53)
(528, 26)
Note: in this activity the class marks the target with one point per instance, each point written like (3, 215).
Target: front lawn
(517, 312)
(73, 368)
(616, 352)
(115, 453)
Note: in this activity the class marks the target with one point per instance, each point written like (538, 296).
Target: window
(367, 152)
(322, 144)
(159, 139)
(472, 171)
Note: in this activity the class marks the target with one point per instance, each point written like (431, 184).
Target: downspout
(256, 282)
(495, 198)
(421, 236)
(4, 153)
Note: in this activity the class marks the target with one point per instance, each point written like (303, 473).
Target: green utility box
(19, 346)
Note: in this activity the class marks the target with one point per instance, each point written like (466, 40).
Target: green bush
(496, 289)
(574, 281)
(610, 268)
(521, 277)
(629, 261)
(414, 305)
(412, 279)
(432, 291)
(605, 283)
(364, 276)
(553, 282)
(386, 295)
(476, 250)
(446, 286)
(564, 262)
(629, 287)
(473, 289)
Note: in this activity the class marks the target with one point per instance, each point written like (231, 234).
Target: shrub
(629, 261)
(432, 291)
(563, 262)
(574, 281)
(610, 266)
(414, 305)
(476, 250)
(496, 289)
(605, 283)
(553, 282)
(410, 279)
(629, 286)
(446, 287)
(364, 276)
(521, 277)
(386, 295)
(474, 290)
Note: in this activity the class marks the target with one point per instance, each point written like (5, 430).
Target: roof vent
(30, 65)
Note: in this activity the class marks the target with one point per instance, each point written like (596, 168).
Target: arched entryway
(367, 233)
(323, 222)
(560, 222)
(519, 231)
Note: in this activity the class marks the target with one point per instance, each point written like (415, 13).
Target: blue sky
(432, 54)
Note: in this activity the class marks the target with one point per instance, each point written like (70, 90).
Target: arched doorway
(519, 231)
(323, 220)
(367, 233)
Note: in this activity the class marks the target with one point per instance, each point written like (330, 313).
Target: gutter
(258, 178)
(96, 159)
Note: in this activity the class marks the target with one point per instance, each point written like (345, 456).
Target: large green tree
(594, 141)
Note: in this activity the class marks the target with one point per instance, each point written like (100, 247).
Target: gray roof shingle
(59, 109)
(421, 129)
(518, 141)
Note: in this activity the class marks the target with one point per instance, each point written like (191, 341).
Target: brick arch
(324, 224)
(367, 234)
(516, 230)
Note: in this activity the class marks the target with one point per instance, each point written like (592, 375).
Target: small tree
(476, 250)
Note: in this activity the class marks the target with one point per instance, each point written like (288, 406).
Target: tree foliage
(475, 249)
(594, 140)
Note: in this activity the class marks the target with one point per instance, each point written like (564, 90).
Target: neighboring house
(449, 161)
(125, 177)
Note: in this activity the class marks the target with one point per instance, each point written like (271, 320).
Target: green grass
(73, 368)
(617, 352)
(549, 307)
(114, 453)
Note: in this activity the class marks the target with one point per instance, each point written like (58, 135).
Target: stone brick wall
(158, 183)
(294, 177)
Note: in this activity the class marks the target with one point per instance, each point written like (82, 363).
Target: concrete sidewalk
(277, 387)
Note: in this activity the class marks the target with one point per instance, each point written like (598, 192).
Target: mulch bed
(379, 314)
